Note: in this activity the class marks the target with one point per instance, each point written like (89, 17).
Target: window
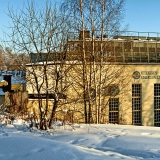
(157, 105)
(114, 110)
(136, 104)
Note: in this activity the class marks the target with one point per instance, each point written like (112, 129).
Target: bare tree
(97, 22)
(40, 34)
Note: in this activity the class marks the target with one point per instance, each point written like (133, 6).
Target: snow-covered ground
(83, 142)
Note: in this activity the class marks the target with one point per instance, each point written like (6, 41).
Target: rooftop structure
(135, 47)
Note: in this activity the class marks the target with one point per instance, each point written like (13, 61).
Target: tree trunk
(55, 105)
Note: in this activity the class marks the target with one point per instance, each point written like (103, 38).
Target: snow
(79, 142)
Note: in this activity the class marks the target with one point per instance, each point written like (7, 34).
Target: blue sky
(140, 15)
(143, 15)
(16, 4)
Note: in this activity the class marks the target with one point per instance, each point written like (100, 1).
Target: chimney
(86, 34)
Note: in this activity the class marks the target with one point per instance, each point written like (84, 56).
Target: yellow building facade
(145, 94)
(138, 104)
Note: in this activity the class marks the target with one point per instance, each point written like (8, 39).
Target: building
(136, 61)
(17, 80)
